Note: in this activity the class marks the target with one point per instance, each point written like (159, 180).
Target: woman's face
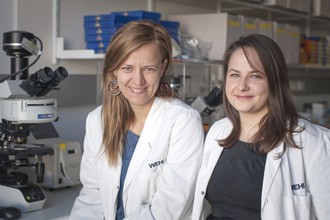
(139, 76)
(247, 90)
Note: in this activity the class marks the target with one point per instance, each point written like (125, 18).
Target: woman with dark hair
(263, 161)
(142, 148)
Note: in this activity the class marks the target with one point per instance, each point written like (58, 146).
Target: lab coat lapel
(148, 135)
(212, 156)
(271, 168)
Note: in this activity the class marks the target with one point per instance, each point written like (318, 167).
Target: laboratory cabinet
(257, 15)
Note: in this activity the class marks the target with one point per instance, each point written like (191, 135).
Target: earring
(113, 87)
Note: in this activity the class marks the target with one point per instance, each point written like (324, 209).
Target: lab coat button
(202, 192)
(117, 187)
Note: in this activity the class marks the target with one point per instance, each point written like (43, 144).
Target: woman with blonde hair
(142, 148)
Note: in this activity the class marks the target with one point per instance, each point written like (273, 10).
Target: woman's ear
(164, 64)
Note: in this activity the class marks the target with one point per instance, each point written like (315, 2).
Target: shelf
(82, 54)
(61, 53)
(309, 67)
(255, 9)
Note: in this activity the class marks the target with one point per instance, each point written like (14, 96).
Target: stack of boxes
(315, 50)
(99, 29)
(311, 48)
(321, 52)
(327, 51)
(143, 15)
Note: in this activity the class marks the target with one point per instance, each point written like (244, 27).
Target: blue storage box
(108, 17)
(98, 37)
(103, 24)
(170, 24)
(172, 30)
(175, 37)
(98, 47)
(145, 15)
(96, 31)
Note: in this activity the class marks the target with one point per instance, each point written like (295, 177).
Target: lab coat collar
(272, 166)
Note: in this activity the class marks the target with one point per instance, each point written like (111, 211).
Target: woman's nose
(243, 84)
(138, 76)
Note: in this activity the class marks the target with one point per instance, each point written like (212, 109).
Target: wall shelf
(61, 53)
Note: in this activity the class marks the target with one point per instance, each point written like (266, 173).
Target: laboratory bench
(57, 206)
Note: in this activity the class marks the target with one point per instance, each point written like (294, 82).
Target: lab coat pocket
(298, 208)
(155, 169)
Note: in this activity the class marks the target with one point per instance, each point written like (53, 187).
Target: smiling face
(139, 76)
(247, 89)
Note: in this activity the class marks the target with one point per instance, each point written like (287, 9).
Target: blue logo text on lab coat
(155, 164)
(298, 186)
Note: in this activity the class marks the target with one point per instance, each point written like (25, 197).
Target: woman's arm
(88, 205)
(317, 159)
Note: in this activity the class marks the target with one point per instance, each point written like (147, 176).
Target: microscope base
(26, 198)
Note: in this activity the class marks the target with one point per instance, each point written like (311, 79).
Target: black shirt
(234, 189)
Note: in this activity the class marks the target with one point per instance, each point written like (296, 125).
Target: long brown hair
(117, 115)
(281, 121)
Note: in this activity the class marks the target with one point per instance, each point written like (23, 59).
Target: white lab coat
(295, 187)
(161, 177)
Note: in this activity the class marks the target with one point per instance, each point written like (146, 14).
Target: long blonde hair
(117, 115)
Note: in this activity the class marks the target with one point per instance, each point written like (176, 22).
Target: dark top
(234, 189)
(131, 141)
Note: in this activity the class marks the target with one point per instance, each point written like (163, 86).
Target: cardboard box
(293, 45)
(219, 29)
(266, 28)
(250, 26)
(281, 36)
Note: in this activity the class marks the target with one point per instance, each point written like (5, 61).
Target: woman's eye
(255, 77)
(233, 74)
(126, 68)
(149, 69)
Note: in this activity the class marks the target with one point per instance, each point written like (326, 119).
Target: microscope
(25, 110)
(209, 106)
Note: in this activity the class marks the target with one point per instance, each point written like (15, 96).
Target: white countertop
(57, 206)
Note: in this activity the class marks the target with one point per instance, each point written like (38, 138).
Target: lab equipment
(23, 111)
(209, 107)
(206, 105)
(62, 168)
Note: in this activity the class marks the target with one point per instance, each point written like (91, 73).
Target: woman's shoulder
(312, 129)
(176, 106)
(315, 139)
(219, 128)
(221, 123)
(95, 113)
